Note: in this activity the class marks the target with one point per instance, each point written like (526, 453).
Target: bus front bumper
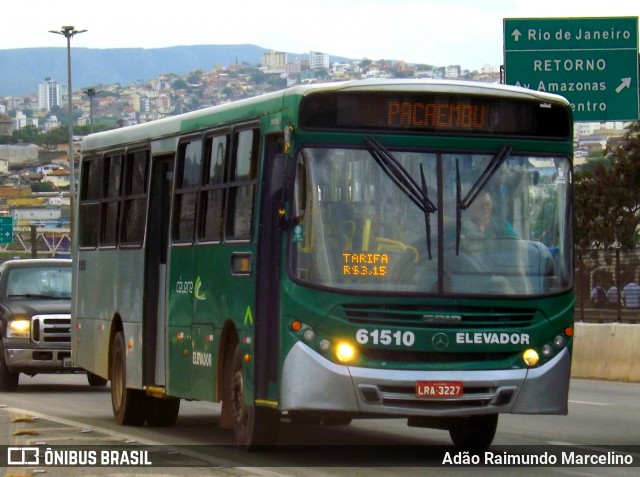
(310, 382)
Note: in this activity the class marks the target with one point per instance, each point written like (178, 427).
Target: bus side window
(242, 178)
(188, 180)
(90, 193)
(135, 197)
(111, 199)
(212, 196)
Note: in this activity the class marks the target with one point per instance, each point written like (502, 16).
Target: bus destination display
(445, 113)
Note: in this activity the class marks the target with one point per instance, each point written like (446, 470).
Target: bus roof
(265, 103)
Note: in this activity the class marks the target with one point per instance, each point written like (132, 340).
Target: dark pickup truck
(35, 319)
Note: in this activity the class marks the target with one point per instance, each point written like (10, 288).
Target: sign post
(593, 62)
(6, 230)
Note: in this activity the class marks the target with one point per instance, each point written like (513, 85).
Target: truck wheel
(8, 380)
(95, 380)
(129, 405)
(475, 432)
(253, 426)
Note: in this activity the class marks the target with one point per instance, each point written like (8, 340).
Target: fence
(49, 243)
(605, 268)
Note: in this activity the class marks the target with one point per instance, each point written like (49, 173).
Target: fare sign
(593, 62)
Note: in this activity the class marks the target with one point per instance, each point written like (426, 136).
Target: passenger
(631, 296)
(598, 297)
(612, 296)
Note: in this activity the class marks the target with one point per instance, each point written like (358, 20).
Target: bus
(329, 252)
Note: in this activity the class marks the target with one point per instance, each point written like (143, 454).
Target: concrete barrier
(608, 351)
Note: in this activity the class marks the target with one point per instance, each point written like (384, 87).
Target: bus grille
(405, 397)
(51, 329)
(437, 317)
(405, 356)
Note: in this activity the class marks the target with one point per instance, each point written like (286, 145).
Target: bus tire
(162, 412)
(8, 380)
(253, 426)
(95, 380)
(129, 405)
(475, 432)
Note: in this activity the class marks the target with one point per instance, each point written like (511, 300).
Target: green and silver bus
(364, 249)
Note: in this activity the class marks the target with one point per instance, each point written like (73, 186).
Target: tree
(607, 197)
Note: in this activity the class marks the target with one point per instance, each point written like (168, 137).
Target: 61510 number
(385, 337)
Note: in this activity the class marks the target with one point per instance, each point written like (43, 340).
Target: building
(275, 60)
(49, 94)
(318, 60)
(453, 71)
(6, 125)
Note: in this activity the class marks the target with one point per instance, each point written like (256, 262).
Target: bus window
(111, 200)
(135, 199)
(242, 183)
(188, 178)
(213, 194)
(90, 193)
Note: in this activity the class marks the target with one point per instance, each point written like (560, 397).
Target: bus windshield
(383, 219)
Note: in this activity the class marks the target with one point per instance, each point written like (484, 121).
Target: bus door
(154, 323)
(269, 268)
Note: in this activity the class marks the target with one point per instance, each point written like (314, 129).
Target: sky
(468, 33)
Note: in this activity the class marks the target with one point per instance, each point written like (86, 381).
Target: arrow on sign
(516, 34)
(626, 83)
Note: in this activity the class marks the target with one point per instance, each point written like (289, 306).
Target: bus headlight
(547, 351)
(345, 352)
(19, 329)
(559, 341)
(530, 357)
(325, 345)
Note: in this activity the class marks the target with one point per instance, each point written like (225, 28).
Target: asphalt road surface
(50, 412)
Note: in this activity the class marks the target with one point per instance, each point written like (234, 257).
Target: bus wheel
(475, 432)
(162, 412)
(129, 405)
(8, 380)
(95, 380)
(253, 426)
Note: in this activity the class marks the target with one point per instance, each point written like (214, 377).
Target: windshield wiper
(462, 204)
(418, 194)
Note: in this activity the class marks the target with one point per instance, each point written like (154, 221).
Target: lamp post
(91, 92)
(68, 32)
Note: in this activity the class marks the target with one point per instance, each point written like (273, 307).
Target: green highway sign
(593, 62)
(6, 230)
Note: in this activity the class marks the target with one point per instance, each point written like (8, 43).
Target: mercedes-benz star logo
(440, 341)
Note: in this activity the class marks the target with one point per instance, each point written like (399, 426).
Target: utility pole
(68, 32)
(91, 92)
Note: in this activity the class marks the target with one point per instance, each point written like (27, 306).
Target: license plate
(439, 389)
(67, 363)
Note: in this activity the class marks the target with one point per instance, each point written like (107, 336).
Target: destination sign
(446, 113)
(593, 62)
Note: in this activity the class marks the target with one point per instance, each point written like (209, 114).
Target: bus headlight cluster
(530, 356)
(343, 351)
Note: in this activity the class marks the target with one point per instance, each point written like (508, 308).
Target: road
(69, 412)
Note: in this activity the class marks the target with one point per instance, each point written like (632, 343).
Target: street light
(68, 32)
(91, 92)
